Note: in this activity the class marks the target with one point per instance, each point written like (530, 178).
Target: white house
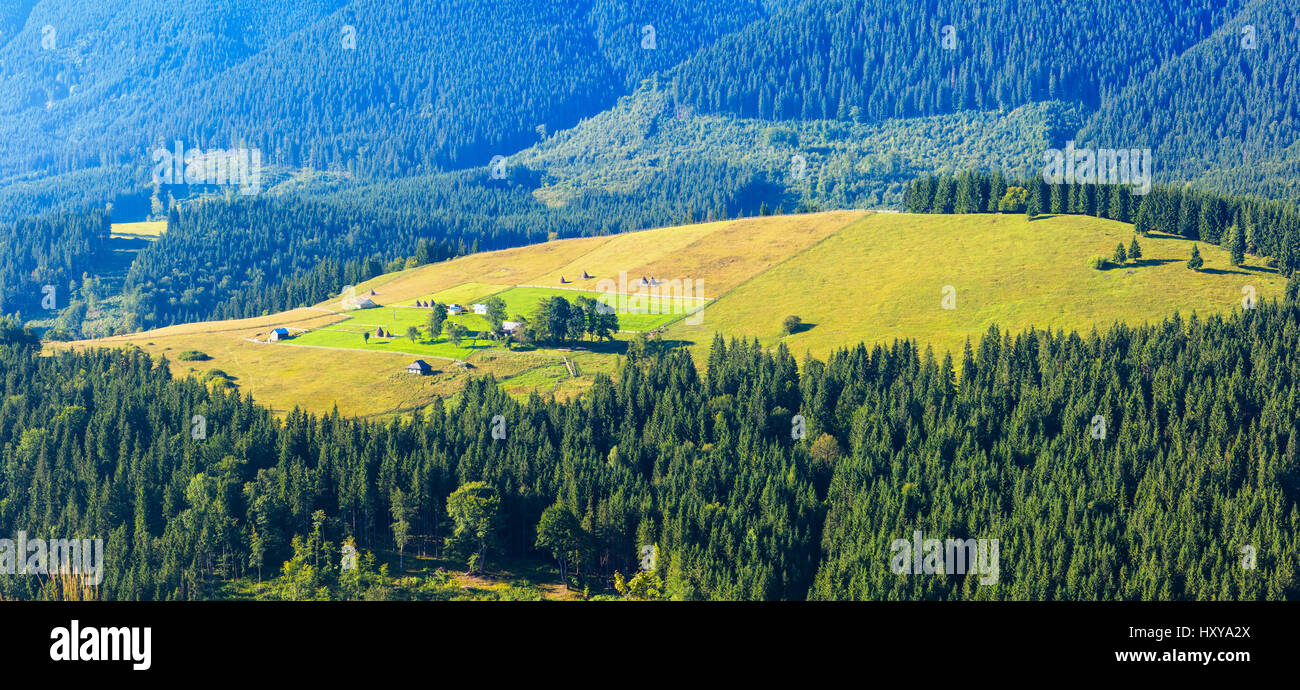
(509, 327)
(278, 334)
(480, 309)
(455, 310)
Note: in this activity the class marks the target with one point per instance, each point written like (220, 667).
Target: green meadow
(520, 301)
(349, 334)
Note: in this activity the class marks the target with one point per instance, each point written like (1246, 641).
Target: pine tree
(1134, 250)
(1195, 262)
(1121, 257)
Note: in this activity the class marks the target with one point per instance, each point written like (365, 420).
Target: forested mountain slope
(1225, 113)
(805, 164)
(876, 59)
(383, 88)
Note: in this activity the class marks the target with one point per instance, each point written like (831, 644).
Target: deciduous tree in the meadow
(437, 318)
(496, 312)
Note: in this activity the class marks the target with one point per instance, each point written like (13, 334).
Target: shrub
(791, 324)
(217, 379)
(193, 356)
(1098, 262)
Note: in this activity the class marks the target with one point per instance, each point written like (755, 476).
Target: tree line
(1239, 223)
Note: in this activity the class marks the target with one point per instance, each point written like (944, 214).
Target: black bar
(942, 641)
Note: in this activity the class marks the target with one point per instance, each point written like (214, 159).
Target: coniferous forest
(1199, 460)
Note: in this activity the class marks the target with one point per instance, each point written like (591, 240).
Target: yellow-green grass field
(886, 276)
(372, 381)
(148, 230)
(722, 254)
(850, 276)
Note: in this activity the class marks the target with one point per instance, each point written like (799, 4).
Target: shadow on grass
(674, 342)
(1143, 263)
(1222, 272)
(615, 347)
(1162, 235)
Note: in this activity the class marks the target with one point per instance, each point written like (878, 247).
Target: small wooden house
(419, 367)
(278, 334)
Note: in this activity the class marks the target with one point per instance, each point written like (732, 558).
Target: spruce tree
(1237, 245)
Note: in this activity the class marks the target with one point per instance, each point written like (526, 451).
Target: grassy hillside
(884, 278)
(331, 365)
(850, 276)
(152, 229)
